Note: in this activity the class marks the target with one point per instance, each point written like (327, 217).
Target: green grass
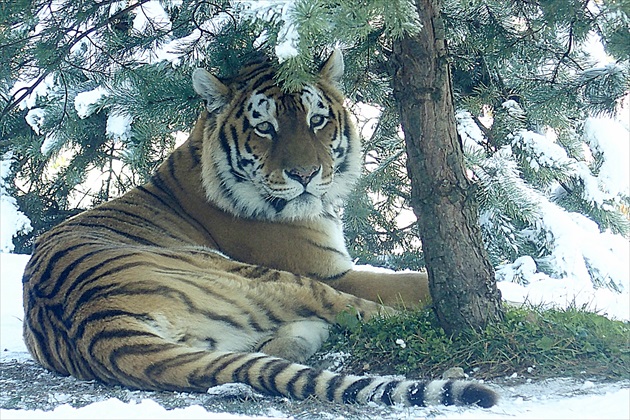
(530, 341)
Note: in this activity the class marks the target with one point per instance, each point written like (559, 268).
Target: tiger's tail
(186, 369)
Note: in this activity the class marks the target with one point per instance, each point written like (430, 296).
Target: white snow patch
(288, 37)
(119, 126)
(49, 143)
(522, 271)
(580, 249)
(514, 109)
(547, 152)
(151, 13)
(610, 138)
(470, 133)
(13, 221)
(35, 119)
(85, 103)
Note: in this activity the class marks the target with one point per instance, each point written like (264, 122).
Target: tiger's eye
(265, 127)
(318, 120)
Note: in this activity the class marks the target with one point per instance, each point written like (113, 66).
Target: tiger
(229, 265)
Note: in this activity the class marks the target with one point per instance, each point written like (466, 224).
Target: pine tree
(95, 94)
(463, 289)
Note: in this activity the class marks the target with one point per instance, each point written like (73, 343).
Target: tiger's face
(274, 155)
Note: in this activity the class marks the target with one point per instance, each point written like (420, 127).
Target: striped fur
(230, 264)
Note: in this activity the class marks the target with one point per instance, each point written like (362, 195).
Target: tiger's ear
(332, 70)
(211, 89)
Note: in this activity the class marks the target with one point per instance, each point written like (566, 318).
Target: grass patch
(547, 343)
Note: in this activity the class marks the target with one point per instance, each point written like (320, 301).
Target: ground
(26, 386)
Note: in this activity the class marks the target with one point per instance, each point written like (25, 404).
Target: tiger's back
(229, 265)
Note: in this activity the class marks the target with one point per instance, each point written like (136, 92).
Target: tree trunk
(461, 278)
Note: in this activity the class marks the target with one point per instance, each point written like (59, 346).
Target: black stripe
(221, 364)
(415, 394)
(386, 398)
(447, 394)
(157, 369)
(264, 78)
(327, 97)
(76, 285)
(144, 349)
(53, 261)
(347, 135)
(156, 197)
(179, 212)
(350, 393)
(247, 308)
(170, 292)
(109, 335)
(101, 316)
(309, 383)
(277, 203)
(42, 344)
(225, 145)
(246, 270)
(260, 70)
(332, 386)
(146, 223)
(326, 248)
(121, 233)
(242, 373)
(270, 374)
(477, 394)
(240, 109)
(234, 165)
(160, 183)
(194, 152)
(317, 276)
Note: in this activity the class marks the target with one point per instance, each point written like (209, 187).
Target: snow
(610, 138)
(151, 14)
(85, 102)
(41, 89)
(288, 37)
(35, 119)
(49, 143)
(548, 153)
(116, 409)
(576, 252)
(469, 131)
(12, 221)
(579, 248)
(118, 126)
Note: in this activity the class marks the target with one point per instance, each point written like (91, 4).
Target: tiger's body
(230, 264)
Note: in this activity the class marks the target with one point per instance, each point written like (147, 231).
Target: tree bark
(461, 278)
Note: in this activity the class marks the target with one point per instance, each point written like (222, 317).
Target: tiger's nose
(302, 174)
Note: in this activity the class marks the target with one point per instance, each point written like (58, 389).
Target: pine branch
(61, 55)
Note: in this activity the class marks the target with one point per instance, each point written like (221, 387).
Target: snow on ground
(549, 399)
(116, 409)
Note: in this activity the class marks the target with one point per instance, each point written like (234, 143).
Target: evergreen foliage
(95, 94)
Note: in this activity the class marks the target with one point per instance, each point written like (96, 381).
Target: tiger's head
(268, 154)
